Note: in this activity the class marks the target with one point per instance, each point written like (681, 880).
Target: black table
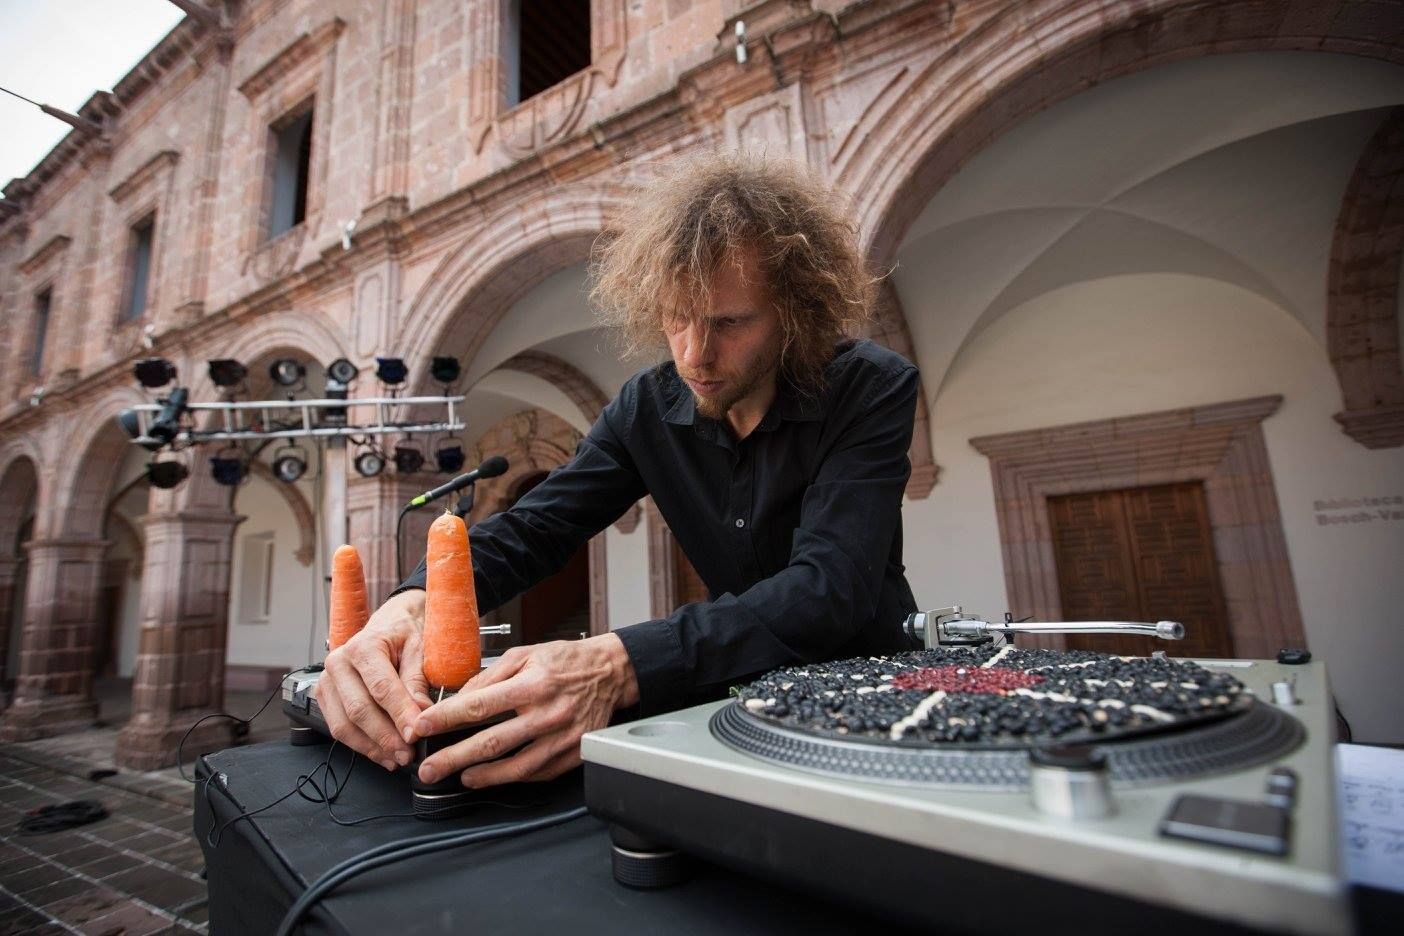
(555, 880)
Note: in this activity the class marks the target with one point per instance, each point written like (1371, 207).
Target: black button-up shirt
(796, 530)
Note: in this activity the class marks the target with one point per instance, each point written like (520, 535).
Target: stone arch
(535, 441)
(301, 334)
(511, 252)
(1033, 55)
(582, 391)
(86, 481)
(567, 378)
(307, 332)
(889, 328)
(532, 440)
(20, 480)
(1362, 303)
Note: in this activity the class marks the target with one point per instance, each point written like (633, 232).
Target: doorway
(1140, 554)
(557, 607)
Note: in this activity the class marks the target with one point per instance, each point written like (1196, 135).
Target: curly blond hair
(656, 261)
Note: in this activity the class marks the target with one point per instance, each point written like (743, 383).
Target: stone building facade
(351, 179)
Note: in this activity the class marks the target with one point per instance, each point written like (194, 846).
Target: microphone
(490, 468)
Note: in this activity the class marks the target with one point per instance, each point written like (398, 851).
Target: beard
(736, 386)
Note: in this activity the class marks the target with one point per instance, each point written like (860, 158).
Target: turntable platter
(967, 716)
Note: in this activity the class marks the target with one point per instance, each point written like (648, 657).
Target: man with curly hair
(773, 444)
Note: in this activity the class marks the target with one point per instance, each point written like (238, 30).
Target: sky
(58, 52)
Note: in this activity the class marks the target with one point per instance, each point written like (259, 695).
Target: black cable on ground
(398, 851)
(247, 724)
(59, 816)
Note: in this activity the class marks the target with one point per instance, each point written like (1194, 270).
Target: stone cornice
(184, 43)
(1117, 430)
(305, 48)
(41, 257)
(156, 164)
(657, 123)
(1377, 428)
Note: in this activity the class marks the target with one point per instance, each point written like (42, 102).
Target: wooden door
(687, 584)
(1140, 554)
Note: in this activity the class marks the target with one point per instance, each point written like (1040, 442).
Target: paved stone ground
(134, 873)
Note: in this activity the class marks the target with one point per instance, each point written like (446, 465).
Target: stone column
(184, 636)
(9, 571)
(54, 692)
(371, 507)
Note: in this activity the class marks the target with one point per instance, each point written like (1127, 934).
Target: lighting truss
(254, 419)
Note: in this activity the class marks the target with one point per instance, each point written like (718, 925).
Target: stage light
(450, 457)
(228, 470)
(342, 371)
(166, 474)
(408, 460)
(166, 425)
(390, 371)
(154, 372)
(334, 415)
(131, 425)
(445, 369)
(227, 372)
(289, 464)
(369, 464)
(286, 372)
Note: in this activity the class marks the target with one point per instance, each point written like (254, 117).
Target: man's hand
(559, 690)
(373, 689)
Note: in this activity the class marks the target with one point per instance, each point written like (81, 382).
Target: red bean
(997, 680)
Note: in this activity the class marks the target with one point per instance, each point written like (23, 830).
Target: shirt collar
(796, 405)
(790, 403)
(684, 411)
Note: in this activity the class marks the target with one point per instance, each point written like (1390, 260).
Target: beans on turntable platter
(982, 697)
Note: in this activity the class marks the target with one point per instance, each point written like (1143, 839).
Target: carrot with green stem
(349, 606)
(452, 655)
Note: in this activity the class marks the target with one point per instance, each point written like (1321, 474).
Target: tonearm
(950, 627)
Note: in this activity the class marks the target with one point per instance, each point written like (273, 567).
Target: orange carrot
(452, 655)
(349, 606)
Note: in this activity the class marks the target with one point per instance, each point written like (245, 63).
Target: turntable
(980, 788)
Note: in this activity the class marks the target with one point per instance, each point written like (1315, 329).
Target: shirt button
(740, 523)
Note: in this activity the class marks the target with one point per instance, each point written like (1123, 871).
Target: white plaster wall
(626, 558)
(1135, 344)
(130, 640)
(128, 620)
(557, 306)
(287, 639)
(530, 391)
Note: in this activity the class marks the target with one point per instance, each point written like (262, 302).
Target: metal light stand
(323, 419)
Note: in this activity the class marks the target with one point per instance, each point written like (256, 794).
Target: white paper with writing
(1370, 788)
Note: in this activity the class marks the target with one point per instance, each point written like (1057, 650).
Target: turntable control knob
(1070, 781)
(1284, 693)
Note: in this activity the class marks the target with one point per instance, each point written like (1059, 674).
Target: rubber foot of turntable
(642, 864)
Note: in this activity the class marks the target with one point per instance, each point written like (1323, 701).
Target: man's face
(729, 354)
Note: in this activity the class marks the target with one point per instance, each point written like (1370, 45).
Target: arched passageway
(20, 482)
(1099, 284)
